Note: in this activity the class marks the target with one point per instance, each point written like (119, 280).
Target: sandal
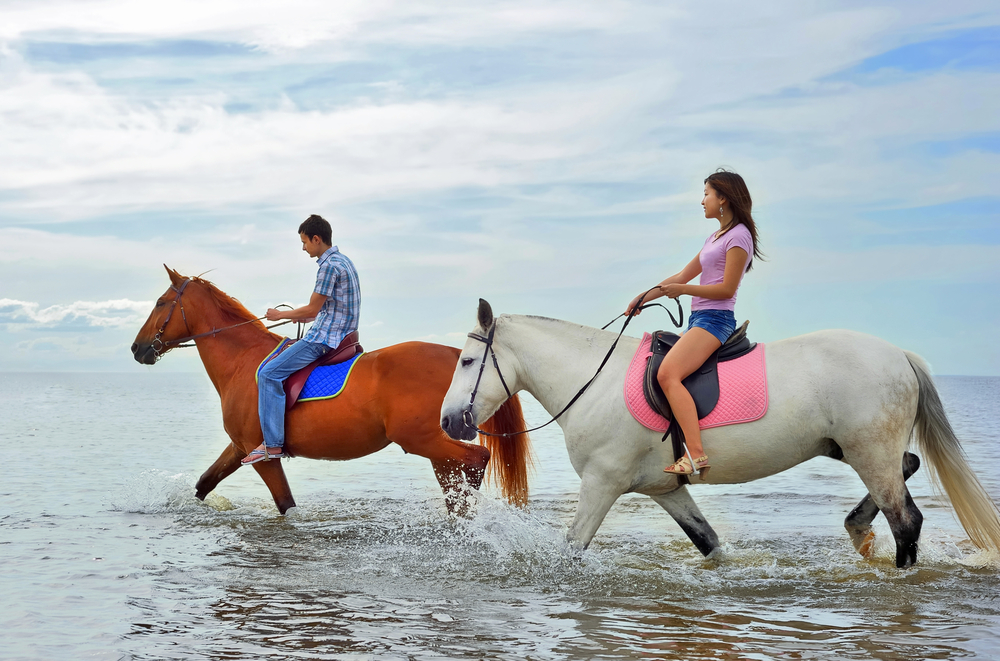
(680, 467)
(683, 466)
(261, 453)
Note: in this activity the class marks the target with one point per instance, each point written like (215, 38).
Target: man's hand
(272, 315)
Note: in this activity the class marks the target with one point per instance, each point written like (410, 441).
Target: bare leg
(687, 355)
(224, 466)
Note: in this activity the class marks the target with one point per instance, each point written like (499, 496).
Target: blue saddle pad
(328, 381)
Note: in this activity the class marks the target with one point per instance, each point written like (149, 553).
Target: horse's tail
(948, 466)
(510, 455)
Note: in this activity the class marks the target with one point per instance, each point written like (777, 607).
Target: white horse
(835, 393)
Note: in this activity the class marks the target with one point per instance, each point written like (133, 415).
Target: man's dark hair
(317, 226)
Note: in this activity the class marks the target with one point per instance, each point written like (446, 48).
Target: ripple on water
(373, 568)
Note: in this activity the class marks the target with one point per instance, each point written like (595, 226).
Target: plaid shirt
(337, 279)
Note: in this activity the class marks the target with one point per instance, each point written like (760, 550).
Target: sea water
(106, 554)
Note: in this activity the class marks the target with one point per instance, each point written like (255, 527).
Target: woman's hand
(635, 301)
(672, 290)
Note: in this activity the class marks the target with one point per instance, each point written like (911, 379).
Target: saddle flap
(651, 386)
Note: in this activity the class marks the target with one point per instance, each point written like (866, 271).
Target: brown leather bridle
(161, 346)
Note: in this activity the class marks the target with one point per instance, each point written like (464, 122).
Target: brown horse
(394, 396)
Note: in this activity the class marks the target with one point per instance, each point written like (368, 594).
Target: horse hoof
(867, 544)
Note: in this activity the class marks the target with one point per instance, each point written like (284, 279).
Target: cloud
(299, 24)
(75, 151)
(99, 314)
(546, 154)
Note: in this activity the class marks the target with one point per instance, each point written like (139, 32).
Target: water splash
(158, 492)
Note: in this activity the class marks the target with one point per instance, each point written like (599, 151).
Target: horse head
(482, 381)
(167, 322)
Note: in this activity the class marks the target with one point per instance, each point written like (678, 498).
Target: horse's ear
(485, 315)
(175, 277)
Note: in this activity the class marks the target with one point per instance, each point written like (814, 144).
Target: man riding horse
(336, 305)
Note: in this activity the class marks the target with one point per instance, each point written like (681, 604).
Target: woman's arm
(686, 274)
(736, 259)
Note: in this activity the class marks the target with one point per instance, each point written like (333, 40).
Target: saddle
(347, 349)
(703, 383)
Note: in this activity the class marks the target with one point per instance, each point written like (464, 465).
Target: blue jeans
(271, 391)
(720, 323)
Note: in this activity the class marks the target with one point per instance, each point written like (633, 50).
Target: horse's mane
(230, 308)
(560, 322)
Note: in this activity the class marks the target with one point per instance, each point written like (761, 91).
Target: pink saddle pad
(742, 390)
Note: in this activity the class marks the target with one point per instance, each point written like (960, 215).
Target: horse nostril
(135, 347)
(444, 423)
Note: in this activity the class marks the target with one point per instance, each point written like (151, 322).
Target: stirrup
(256, 455)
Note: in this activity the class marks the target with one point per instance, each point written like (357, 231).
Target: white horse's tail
(948, 466)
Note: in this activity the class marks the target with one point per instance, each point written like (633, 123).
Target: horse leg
(858, 522)
(453, 481)
(889, 493)
(455, 464)
(685, 512)
(905, 523)
(596, 499)
(274, 477)
(224, 466)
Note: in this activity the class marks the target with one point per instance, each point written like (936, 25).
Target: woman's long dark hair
(731, 187)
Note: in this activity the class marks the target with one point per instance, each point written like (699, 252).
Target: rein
(467, 416)
(161, 346)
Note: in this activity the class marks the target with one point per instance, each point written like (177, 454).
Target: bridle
(469, 419)
(161, 346)
(467, 416)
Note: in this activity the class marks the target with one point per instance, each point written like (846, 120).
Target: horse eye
(466, 362)
(160, 304)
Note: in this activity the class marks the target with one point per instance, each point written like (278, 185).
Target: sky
(547, 156)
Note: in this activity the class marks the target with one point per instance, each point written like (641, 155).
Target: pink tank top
(713, 265)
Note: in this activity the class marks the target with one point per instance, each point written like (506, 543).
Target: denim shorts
(720, 323)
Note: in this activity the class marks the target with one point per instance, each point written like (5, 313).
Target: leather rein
(161, 346)
(469, 419)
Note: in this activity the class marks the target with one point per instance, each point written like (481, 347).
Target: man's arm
(305, 313)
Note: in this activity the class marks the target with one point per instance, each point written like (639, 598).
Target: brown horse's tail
(510, 455)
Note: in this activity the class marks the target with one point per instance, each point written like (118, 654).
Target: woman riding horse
(725, 257)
